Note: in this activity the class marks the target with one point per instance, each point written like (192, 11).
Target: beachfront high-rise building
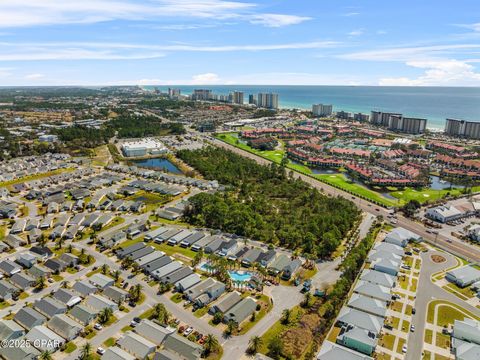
(322, 110)
(237, 97)
(361, 117)
(267, 100)
(407, 125)
(252, 99)
(414, 125)
(174, 93)
(463, 128)
(202, 94)
(344, 115)
(381, 118)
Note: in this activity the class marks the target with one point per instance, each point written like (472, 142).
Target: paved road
(450, 244)
(427, 291)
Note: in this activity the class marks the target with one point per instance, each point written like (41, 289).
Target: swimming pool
(240, 276)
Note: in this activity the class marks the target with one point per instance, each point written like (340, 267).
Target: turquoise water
(158, 164)
(240, 276)
(433, 103)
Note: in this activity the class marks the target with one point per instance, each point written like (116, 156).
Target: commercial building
(444, 213)
(147, 146)
(463, 128)
(322, 110)
(267, 100)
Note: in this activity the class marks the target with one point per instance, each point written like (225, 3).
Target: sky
(248, 42)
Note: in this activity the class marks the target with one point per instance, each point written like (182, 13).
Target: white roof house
(463, 276)
(400, 236)
(136, 345)
(116, 353)
(331, 351)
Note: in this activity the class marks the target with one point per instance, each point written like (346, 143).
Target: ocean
(432, 103)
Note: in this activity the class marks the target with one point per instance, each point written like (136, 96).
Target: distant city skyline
(248, 42)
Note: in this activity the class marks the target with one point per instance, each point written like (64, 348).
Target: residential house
(331, 351)
(9, 268)
(67, 296)
(56, 265)
(99, 302)
(153, 331)
(358, 339)
(10, 330)
(8, 291)
(116, 353)
(183, 347)
(23, 281)
(26, 259)
(400, 237)
(241, 311)
(83, 314)
(101, 281)
(187, 282)
(44, 339)
(64, 326)
(225, 304)
(29, 318)
(84, 288)
(463, 276)
(49, 307)
(136, 345)
(291, 269)
(115, 294)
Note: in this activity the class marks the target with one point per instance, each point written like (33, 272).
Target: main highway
(467, 251)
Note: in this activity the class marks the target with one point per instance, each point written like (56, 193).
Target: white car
(412, 328)
(100, 350)
(97, 326)
(188, 331)
(404, 349)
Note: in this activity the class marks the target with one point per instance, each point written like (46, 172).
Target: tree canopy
(264, 203)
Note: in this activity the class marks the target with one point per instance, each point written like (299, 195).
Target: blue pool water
(240, 276)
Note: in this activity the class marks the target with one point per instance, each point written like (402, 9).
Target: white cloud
(357, 32)
(349, 14)
(35, 76)
(410, 53)
(205, 79)
(438, 73)
(278, 20)
(5, 72)
(127, 51)
(26, 13)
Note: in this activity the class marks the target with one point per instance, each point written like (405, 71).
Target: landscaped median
(447, 313)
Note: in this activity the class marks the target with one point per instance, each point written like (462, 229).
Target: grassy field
(340, 181)
(447, 313)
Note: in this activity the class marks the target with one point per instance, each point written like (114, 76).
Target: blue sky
(311, 42)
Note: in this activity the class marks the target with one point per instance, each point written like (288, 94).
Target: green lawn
(109, 342)
(35, 177)
(447, 313)
(428, 336)
(423, 195)
(387, 341)
(177, 298)
(172, 250)
(70, 347)
(202, 311)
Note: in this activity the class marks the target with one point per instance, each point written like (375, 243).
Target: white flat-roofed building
(147, 146)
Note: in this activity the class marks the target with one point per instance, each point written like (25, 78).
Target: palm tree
(286, 314)
(86, 352)
(255, 344)
(105, 315)
(161, 313)
(105, 269)
(308, 297)
(116, 275)
(40, 284)
(45, 355)
(211, 343)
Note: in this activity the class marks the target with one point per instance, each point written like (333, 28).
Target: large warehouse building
(143, 147)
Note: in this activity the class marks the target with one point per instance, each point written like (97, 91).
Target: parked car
(100, 350)
(97, 326)
(412, 328)
(404, 349)
(188, 331)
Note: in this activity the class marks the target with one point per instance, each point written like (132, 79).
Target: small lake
(438, 184)
(158, 164)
